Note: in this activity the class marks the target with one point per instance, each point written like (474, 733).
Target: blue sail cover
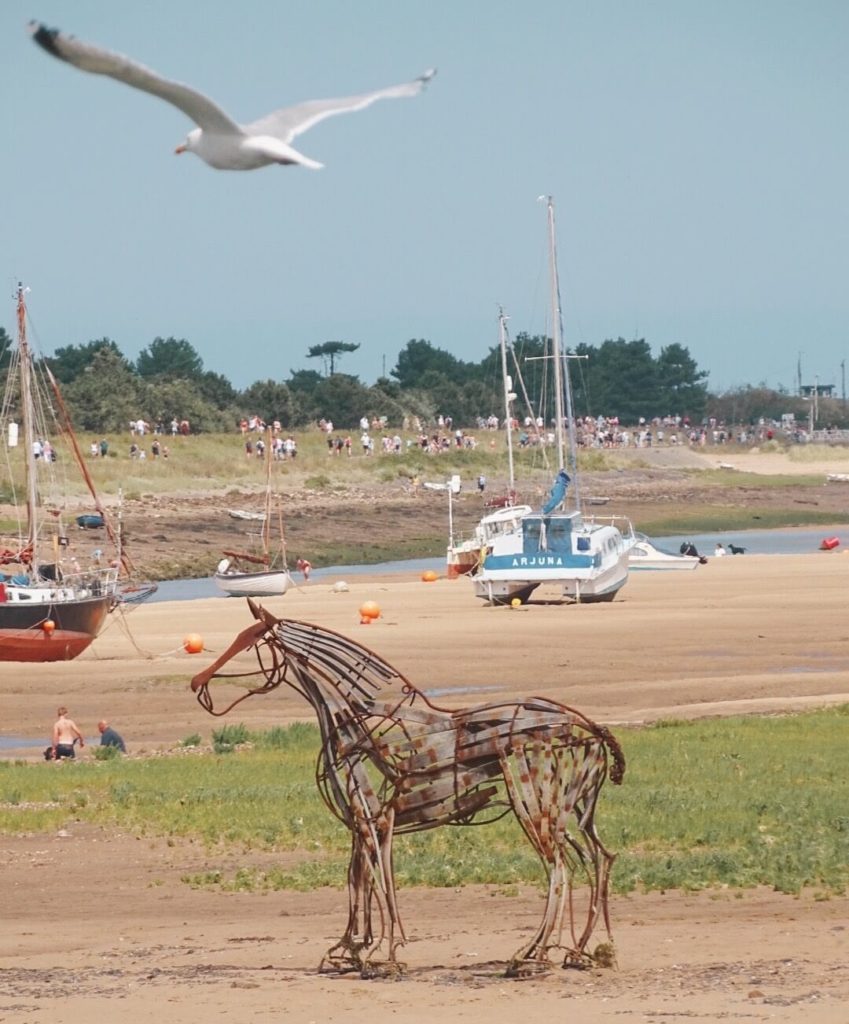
(558, 492)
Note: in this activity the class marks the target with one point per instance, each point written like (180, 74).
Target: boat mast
(508, 394)
(562, 382)
(27, 417)
(266, 523)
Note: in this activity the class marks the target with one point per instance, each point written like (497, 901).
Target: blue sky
(698, 155)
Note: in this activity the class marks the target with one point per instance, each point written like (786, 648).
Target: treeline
(104, 390)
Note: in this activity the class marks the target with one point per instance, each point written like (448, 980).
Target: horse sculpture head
(270, 654)
(313, 660)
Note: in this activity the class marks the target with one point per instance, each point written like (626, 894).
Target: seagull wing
(289, 122)
(199, 108)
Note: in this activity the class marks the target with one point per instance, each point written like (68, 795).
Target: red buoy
(829, 543)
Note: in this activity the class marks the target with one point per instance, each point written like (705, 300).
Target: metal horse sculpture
(391, 763)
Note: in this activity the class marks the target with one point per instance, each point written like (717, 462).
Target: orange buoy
(370, 610)
(192, 643)
(429, 576)
(829, 544)
(48, 626)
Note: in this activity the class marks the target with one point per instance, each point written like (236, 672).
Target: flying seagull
(218, 140)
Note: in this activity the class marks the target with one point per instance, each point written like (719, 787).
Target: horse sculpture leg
(371, 882)
(358, 938)
(548, 784)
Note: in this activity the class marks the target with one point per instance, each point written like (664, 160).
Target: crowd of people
(376, 437)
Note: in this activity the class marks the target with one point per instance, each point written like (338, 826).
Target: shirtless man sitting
(65, 732)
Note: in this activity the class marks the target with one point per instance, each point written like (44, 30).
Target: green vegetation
(736, 802)
(104, 390)
(724, 520)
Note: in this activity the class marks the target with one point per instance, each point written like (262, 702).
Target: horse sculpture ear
(262, 615)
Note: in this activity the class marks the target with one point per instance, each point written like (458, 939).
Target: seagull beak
(181, 148)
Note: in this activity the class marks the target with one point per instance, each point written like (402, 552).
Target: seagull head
(190, 143)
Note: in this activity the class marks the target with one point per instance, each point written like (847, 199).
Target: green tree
(272, 401)
(304, 382)
(749, 404)
(106, 395)
(342, 399)
(683, 387)
(624, 380)
(216, 388)
(164, 398)
(5, 349)
(69, 361)
(330, 351)
(169, 357)
(445, 396)
(418, 357)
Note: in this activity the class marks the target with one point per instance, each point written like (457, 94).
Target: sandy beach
(752, 634)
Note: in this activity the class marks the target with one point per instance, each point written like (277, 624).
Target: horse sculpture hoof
(383, 969)
(340, 962)
(527, 968)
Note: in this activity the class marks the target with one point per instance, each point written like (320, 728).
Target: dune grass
(734, 802)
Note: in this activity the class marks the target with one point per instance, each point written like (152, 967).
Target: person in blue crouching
(110, 738)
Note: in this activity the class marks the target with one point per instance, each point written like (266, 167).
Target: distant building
(820, 390)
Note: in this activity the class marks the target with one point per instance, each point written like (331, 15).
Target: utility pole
(816, 406)
(843, 382)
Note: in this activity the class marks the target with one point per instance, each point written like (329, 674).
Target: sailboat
(51, 606)
(586, 557)
(463, 556)
(263, 574)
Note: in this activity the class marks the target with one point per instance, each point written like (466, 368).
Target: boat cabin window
(558, 535)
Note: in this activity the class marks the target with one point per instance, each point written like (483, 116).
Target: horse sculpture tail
(617, 768)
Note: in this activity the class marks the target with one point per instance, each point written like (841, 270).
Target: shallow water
(794, 541)
(187, 590)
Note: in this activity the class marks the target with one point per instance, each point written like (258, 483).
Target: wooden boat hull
(459, 568)
(75, 624)
(461, 560)
(269, 583)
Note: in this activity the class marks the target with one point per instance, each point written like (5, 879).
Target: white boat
(260, 574)
(645, 554)
(53, 600)
(463, 557)
(260, 583)
(240, 513)
(585, 557)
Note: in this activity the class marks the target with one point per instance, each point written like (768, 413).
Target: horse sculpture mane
(392, 762)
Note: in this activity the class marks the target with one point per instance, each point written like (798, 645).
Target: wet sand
(751, 634)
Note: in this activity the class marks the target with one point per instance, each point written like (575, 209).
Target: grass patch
(753, 481)
(818, 453)
(726, 520)
(734, 802)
